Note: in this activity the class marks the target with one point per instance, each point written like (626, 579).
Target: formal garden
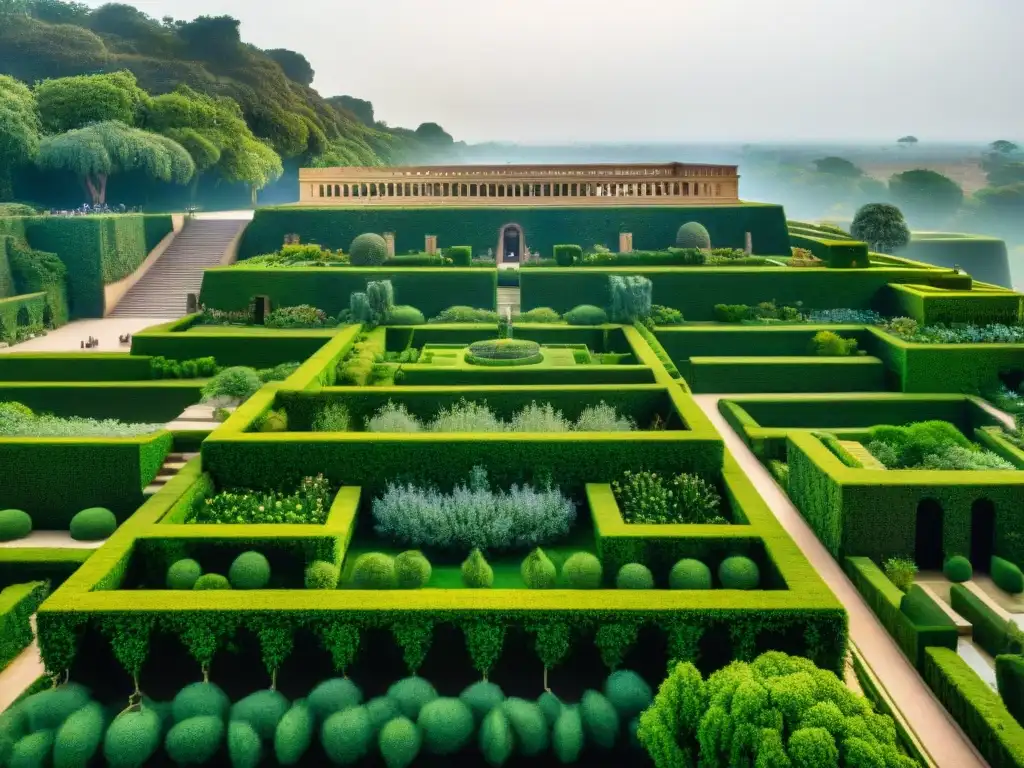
(420, 530)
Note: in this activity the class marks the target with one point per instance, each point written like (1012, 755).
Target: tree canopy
(434, 133)
(838, 166)
(295, 66)
(19, 130)
(881, 226)
(362, 109)
(926, 195)
(67, 103)
(907, 140)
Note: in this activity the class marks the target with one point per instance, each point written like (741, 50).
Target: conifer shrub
(634, 576)
(132, 738)
(368, 250)
(381, 296)
(250, 570)
(477, 572)
(410, 694)
(399, 742)
(346, 736)
(957, 569)
(93, 524)
(245, 749)
(738, 572)
(528, 724)
(446, 724)
(412, 570)
(538, 571)
(14, 524)
(332, 696)
(321, 575)
(600, 720)
(631, 298)
(689, 573)
(582, 571)
(262, 710)
(194, 741)
(183, 574)
(373, 570)
(586, 314)
(212, 581)
(693, 235)
(294, 734)
(198, 699)
(481, 697)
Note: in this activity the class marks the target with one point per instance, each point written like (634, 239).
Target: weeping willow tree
(97, 152)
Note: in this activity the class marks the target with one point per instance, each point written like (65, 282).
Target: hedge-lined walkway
(20, 673)
(69, 338)
(940, 737)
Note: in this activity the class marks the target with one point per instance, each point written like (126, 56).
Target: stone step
(862, 454)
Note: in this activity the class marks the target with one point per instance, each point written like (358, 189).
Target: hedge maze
(474, 540)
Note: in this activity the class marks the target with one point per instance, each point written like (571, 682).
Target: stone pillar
(625, 242)
(748, 246)
(431, 244)
(389, 239)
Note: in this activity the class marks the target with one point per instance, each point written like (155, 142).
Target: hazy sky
(658, 70)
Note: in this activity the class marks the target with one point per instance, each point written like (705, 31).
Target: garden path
(939, 735)
(20, 673)
(69, 338)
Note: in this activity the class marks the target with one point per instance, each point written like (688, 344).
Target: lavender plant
(468, 416)
(17, 420)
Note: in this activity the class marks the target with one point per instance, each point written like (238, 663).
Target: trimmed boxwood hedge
(17, 604)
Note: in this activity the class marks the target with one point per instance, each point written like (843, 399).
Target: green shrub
(381, 710)
(661, 315)
(405, 315)
(481, 697)
(273, 421)
(381, 296)
(567, 738)
(93, 524)
(957, 569)
(368, 250)
(582, 570)
(212, 581)
(738, 572)
(333, 417)
(183, 574)
(245, 749)
(410, 694)
(47, 710)
(262, 710)
(1007, 576)
(566, 255)
(497, 742)
(321, 575)
(346, 736)
(250, 570)
(538, 571)
(334, 695)
(446, 724)
(600, 720)
(830, 344)
(693, 235)
(649, 497)
(628, 692)
(631, 298)
(689, 574)
(373, 570)
(412, 570)
(32, 751)
(236, 384)
(14, 524)
(359, 308)
(399, 742)
(586, 314)
(461, 255)
(464, 314)
(634, 576)
(199, 699)
(900, 571)
(195, 741)
(503, 349)
(476, 571)
(1010, 681)
(132, 738)
(551, 706)
(528, 724)
(79, 738)
(542, 315)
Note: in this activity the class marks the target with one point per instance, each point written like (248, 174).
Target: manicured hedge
(608, 338)
(36, 271)
(842, 254)
(18, 602)
(685, 342)
(695, 290)
(984, 258)
(988, 629)
(34, 304)
(434, 376)
(1010, 679)
(18, 564)
(976, 707)
(133, 401)
(429, 289)
(785, 374)
(930, 305)
(543, 227)
(71, 366)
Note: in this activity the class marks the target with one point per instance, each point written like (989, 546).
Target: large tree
(838, 166)
(295, 66)
(19, 131)
(101, 150)
(434, 134)
(67, 103)
(360, 108)
(881, 226)
(926, 195)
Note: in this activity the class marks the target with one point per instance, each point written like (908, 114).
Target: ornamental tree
(66, 103)
(98, 151)
(881, 226)
(19, 130)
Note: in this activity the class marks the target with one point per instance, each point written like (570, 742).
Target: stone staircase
(162, 291)
(172, 464)
(508, 297)
(862, 454)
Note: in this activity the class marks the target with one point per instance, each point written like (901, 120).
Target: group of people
(90, 210)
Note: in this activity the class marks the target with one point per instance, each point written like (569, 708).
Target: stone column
(625, 242)
(431, 244)
(748, 246)
(389, 239)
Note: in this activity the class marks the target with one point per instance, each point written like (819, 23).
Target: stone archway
(511, 240)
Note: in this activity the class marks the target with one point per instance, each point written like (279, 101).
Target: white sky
(555, 71)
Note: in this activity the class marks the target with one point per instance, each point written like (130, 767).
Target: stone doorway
(510, 244)
(928, 552)
(983, 534)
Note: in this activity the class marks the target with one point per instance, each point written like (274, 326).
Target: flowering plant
(309, 504)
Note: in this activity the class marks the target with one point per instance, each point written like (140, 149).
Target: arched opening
(928, 536)
(983, 534)
(23, 317)
(510, 244)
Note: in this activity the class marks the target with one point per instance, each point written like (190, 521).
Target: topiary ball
(958, 569)
(346, 736)
(600, 720)
(476, 572)
(250, 570)
(538, 571)
(689, 574)
(183, 574)
(194, 741)
(586, 314)
(447, 726)
(212, 581)
(528, 724)
(47, 710)
(334, 695)
(132, 738)
(368, 250)
(497, 742)
(693, 235)
(399, 742)
(79, 738)
(93, 524)
(634, 576)
(551, 706)
(628, 692)
(582, 571)
(411, 694)
(567, 737)
(294, 734)
(381, 710)
(197, 699)
(14, 524)
(321, 575)
(32, 751)
(373, 570)
(262, 710)
(412, 570)
(481, 697)
(738, 572)
(402, 314)
(245, 750)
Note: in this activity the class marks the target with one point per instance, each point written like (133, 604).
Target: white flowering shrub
(466, 416)
(17, 420)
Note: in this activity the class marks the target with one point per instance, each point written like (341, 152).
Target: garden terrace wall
(696, 290)
(18, 564)
(153, 402)
(983, 257)
(18, 602)
(431, 375)
(785, 374)
(872, 513)
(684, 342)
(183, 340)
(430, 290)
(543, 228)
(599, 338)
(929, 305)
(33, 304)
(73, 366)
(835, 252)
